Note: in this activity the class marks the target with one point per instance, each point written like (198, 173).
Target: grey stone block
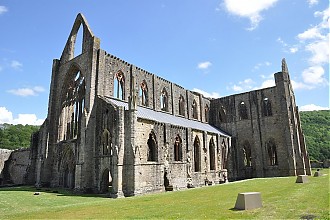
(302, 179)
(248, 200)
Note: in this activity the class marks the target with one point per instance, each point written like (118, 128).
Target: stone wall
(4, 156)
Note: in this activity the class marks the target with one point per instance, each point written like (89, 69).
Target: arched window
(152, 147)
(194, 110)
(106, 143)
(178, 149)
(197, 156)
(222, 114)
(212, 154)
(119, 86)
(164, 100)
(206, 113)
(73, 104)
(247, 154)
(266, 107)
(272, 154)
(144, 93)
(242, 110)
(224, 154)
(181, 106)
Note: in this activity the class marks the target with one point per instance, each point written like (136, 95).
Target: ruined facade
(111, 123)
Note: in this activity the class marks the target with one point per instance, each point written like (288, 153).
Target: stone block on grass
(248, 200)
(302, 179)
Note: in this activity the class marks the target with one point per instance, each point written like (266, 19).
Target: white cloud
(249, 9)
(312, 107)
(313, 75)
(3, 9)
(312, 2)
(16, 65)
(27, 91)
(299, 85)
(268, 83)
(311, 33)
(319, 51)
(206, 94)
(258, 65)
(293, 50)
(204, 65)
(244, 85)
(6, 116)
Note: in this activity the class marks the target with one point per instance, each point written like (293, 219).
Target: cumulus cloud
(204, 65)
(206, 94)
(312, 107)
(6, 116)
(313, 75)
(249, 9)
(27, 91)
(244, 85)
(3, 9)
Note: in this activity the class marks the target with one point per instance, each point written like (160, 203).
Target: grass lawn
(282, 199)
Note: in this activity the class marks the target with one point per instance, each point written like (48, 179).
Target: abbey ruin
(111, 123)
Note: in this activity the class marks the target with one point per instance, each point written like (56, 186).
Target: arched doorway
(106, 182)
(67, 168)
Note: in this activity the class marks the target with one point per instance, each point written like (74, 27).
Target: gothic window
(266, 107)
(247, 154)
(222, 114)
(144, 93)
(164, 100)
(212, 154)
(178, 149)
(206, 113)
(194, 110)
(242, 109)
(106, 143)
(197, 156)
(152, 147)
(272, 154)
(224, 153)
(119, 86)
(73, 101)
(181, 106)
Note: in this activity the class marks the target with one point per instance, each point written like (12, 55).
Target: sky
(215, 47)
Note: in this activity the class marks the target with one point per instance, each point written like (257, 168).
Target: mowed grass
(282, 198)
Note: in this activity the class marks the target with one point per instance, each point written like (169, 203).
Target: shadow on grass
(59, 191)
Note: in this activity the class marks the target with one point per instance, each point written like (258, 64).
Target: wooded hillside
(315, 124)
(316, 127)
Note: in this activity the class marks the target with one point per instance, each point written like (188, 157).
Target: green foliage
(16, 136)
(282, 198)
(316, 127)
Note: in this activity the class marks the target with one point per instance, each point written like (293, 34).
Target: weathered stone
(248, 200)
(317, 174)
(302, 179)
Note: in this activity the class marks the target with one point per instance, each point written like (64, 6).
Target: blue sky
(216, 47)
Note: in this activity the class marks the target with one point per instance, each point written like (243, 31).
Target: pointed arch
(212, 154)
(224, 154)
(119, 85)
(164, 100)
(182, 106)
(152, 147)
(72, 104)
(197, 154)
(206, 111)
(247, 154)
(194, 109)
(272, 152)
(106, 142)
(242, 111)
(144, 93)
(222, 115)
(67, 168)
(266, 107)
(178, 148)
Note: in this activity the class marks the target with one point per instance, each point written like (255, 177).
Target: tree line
(315, 125)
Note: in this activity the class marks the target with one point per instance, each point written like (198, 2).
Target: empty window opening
(242, 111)
(78, 41)
(152, 147)
(272, 154)
(247, 154)
(266, 107)
(197, 156)
(224, 153)
(212, 154)
(194, 110)
(178, 149)
(119, 85)
(222, 114)
(206, 113)
(164, 100)
(144, 93)
(106, 182)
(181, 106)
(106, 143)
(73, 101)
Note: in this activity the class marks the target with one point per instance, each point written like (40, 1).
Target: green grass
(282, 199)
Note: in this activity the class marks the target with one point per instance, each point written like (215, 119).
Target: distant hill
(16, 136)
(316, 127)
